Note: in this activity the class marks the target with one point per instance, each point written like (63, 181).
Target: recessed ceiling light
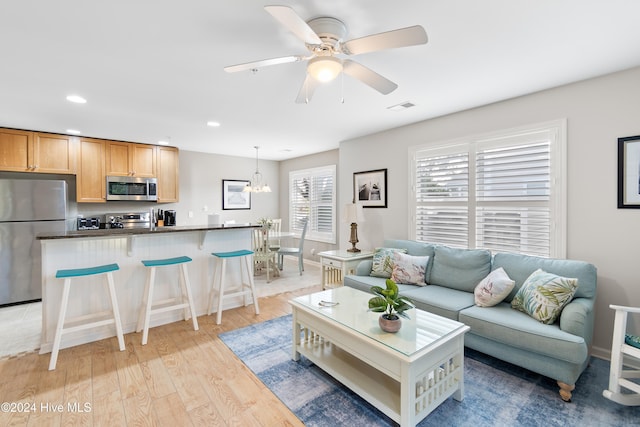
(163, 143)
(73, 131)
(213, 124)
(77, 99)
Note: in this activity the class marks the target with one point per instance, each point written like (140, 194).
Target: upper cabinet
(15, 146)
(129, 159)
(54, 153)
(91, 179)
(168, 174)
(24, 151)
(92, 160)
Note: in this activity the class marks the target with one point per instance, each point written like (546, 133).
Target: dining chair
(274, 234)
(298, 252)
(262, 255)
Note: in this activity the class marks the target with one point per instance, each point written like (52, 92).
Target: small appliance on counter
(169, 218)
(88, 223)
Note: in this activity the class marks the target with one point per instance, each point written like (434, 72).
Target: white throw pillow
(493, 289)
(409, 269)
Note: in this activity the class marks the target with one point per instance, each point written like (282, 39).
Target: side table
(337, 264)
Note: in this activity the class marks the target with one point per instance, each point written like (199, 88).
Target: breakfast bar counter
(127, 248)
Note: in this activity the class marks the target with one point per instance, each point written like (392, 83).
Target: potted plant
(393, 306)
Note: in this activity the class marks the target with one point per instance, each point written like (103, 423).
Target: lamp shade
(324, 68)
(352, 213)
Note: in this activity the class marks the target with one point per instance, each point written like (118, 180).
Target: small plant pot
(390, 324)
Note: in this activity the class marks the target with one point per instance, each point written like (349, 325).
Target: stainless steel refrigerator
(27, 207)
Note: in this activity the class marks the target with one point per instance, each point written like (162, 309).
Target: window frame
(557, 131)
(313, 232)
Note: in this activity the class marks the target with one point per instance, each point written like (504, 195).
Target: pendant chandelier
(256, 185)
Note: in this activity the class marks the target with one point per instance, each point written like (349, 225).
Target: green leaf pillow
(383, 261)
(543, 295)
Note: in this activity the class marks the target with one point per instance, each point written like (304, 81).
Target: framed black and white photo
(233, 198)
(370, 188)
(629, 172)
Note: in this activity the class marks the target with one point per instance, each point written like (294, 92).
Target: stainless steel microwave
(132, 188)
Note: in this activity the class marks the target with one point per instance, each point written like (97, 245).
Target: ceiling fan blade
(306, 91)
(368, 77)
(263, 63)
(409, 36)
(290, 19)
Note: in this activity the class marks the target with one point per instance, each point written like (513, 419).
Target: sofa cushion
(519, 268)
(493, 289)
(511, 327)
(383, 261)
(543, 295)
(364, 283)
(439, 300)
(460, 269)
(409, 269)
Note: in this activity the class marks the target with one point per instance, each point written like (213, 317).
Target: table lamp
(353, 214)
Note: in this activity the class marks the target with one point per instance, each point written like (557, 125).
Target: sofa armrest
(577, 318)
(364, 268)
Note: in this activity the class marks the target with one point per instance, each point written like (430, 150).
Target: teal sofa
(559, 351)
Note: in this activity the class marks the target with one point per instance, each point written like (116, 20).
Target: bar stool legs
(114, 314)
(185, 302)
(217, 286)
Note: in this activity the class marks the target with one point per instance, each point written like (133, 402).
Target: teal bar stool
(185, 301)
(219, 271)
(80, 322)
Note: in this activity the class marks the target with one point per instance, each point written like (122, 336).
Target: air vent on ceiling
(401, 106)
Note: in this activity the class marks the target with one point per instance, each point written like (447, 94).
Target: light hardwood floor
(181, 377)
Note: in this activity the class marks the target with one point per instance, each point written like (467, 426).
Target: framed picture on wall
(629, 172)
(370, 188)
(233, 198)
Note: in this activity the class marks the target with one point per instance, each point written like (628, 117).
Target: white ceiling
(153, 69)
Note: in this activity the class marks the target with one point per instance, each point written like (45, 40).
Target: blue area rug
(496, 393)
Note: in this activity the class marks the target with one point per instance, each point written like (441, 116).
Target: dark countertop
(121, 232)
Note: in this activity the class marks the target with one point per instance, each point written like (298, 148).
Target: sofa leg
(565, 390)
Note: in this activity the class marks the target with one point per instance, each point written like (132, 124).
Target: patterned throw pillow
(543, 296)
(632, 340)
(493, 289)
(383, 261)
(409, 269)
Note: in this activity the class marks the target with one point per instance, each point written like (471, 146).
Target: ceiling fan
(323, 37)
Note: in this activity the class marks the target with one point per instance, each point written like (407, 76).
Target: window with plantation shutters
(503, 192)
(312, 195)
(442, 194)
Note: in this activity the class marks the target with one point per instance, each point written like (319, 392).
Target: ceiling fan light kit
(323, 37)
(324, 68)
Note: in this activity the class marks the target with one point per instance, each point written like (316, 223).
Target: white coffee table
(406, 375)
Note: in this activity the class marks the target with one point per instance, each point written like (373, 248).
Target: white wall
(598, 111)
(201, 178)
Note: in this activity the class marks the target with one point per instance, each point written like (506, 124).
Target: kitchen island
(128, 247)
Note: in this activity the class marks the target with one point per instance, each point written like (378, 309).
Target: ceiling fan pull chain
(342, 87)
